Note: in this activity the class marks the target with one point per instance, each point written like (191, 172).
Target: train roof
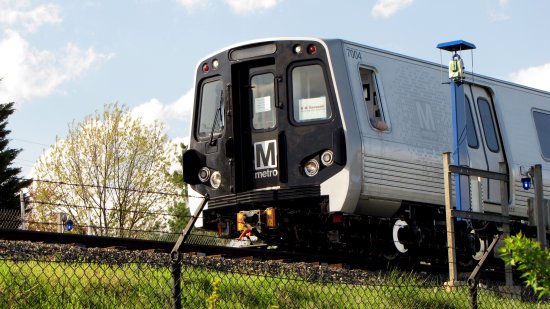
(330, 41)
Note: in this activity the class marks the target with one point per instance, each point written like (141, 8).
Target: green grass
(84, 285)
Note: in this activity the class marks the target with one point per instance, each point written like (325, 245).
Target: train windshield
(310, 96)
(212, 109)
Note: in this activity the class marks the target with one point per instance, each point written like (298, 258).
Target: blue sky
(63, 60)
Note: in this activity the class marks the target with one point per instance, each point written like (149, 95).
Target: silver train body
(395, 115)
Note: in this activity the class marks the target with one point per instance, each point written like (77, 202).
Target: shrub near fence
(60, 276)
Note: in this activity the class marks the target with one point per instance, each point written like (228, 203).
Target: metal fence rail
(53, 276)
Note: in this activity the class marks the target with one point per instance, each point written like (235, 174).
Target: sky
(61, 61)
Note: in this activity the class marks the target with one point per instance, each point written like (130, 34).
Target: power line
(94, 227)
(29, 142)
(102, 187)
(105, 209)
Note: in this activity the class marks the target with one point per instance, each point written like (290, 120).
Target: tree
(110, 175)
(532, 260)
(179, 210)
(10, 183)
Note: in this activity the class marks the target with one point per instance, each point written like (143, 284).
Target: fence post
(505, 226)
(175, 269)
(177, 256)
(539, 205)
(60, 218)
(473, 295)
(23, 208)
(451, 250)
(473, 280)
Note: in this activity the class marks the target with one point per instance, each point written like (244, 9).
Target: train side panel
(403, 162)
(514, 107)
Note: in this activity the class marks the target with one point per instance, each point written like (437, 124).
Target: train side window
(311, 101)
(211, 117)
(470, 127)
(263, 101)
(542, 124)
(488, 124)
(371, 95)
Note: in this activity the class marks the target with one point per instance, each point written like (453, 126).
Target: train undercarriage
(417, 232)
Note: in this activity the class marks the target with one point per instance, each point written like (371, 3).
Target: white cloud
(150, 111)
(14, 13)
(193, 5)
(154, 110)
(241, 7)
(536, 77)
(387, 8)
(28, 72)
(244, 7)
(177, 113)
(496, 16)
(503, 3)
(182, 107)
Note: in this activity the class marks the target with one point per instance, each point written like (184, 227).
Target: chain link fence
(10, 219)
(35, 275)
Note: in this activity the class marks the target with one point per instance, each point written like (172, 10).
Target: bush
(532, 260)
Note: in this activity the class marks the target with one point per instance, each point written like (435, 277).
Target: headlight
(216, 180)
(204, 174)
(311, 168)
(327, 158)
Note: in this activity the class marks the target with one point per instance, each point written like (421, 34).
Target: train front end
(267, 142)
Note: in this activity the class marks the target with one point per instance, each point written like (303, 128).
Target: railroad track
(165, 246)
(288, 256)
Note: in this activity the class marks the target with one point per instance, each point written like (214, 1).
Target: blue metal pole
(460, 144)
(460, 138)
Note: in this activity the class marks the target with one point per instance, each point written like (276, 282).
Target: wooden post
(451, 250)
(539, 205)
(23, 207)
(505, 226)
(60, 221)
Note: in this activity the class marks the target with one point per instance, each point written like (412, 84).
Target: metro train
(318, 143)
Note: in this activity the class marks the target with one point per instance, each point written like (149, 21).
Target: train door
(484, 141)
(257, 162)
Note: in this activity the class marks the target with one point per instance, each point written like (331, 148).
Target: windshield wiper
(218, 114)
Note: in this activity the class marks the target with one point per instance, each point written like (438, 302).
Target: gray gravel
(31, 251)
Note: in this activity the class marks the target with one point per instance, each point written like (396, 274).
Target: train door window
(371, 95)
(470, 127)
(263, 102)
(211, 117)
(542, 124)
(488, 124)
(310, 96)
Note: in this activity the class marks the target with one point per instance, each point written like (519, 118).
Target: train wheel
(398, 246)
(476, 247)
(397, 226)
(482, 247)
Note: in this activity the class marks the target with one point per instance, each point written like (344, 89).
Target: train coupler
(256, 219)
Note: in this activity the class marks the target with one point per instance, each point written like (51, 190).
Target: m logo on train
(265, 157)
